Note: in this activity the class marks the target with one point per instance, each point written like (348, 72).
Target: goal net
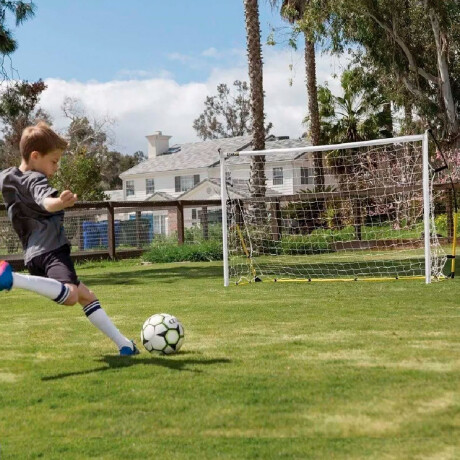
(362, 210)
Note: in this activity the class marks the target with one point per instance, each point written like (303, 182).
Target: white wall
(164, 182)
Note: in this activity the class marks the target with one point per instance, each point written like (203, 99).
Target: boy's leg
(99, 318)
(46, 287)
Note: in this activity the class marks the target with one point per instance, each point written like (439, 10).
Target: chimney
(158, 144)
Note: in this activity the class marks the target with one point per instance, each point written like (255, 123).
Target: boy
(36, 211)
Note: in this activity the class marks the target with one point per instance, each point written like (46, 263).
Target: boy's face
(47, 164)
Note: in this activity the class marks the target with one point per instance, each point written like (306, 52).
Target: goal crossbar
(322, 148)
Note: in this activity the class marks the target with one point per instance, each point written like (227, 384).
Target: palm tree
(355, 116)
(257, 176)
(294, 11)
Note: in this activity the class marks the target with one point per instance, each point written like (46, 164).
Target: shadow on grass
(162, 274)
(116, 362)
(159, 274)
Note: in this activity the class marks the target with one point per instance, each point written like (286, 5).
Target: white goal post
(353, 211)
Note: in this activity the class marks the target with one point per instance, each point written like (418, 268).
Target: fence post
(111, 230)
(180, 223)
(204, 222)
(138, 229)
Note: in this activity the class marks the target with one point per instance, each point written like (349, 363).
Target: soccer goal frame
(424, 186)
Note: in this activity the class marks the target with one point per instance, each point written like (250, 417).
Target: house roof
(159, 196)
(205, 154)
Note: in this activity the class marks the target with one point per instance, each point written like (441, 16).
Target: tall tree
(18, 109)
(294, 11)
(412, 46)
(82, 163)
(226, 114)
(21, 11)
(257, 175)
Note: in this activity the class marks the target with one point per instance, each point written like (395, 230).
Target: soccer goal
(354, 211)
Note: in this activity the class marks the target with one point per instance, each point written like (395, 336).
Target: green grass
(268, 371)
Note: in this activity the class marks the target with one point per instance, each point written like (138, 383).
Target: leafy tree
(21, 11)
(82, 163)
(356, 116)
(411, 46)
(18, 109)
(225, 114)
(114, 164)
(80, 173)
(89, 167)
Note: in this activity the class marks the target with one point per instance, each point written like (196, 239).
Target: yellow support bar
(245, 249)
(454, 246)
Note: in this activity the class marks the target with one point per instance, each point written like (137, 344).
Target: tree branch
(410, 57)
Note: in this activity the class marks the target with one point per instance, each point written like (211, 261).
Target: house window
(184, 183)
(277, 176)
(159, 225)
(149, 186)
(305, 177)
(129, 187)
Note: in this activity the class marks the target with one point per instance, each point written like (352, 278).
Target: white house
(191, 172)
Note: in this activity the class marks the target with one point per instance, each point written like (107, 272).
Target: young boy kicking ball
(36, 211)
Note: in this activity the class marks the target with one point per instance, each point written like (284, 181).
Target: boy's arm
(66, 200)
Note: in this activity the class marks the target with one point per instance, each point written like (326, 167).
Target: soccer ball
(162, 334)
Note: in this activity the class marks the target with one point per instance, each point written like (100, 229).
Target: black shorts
(56, 264)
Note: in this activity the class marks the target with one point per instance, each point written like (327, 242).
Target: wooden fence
(107, 212)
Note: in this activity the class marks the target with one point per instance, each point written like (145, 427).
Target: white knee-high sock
(46, 287)
(98, 317)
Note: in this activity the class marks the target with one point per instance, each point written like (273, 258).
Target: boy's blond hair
(40, 138)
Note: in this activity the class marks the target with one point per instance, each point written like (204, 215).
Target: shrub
(169, 251)
(441, 224)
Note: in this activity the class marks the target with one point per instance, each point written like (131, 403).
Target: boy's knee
(72, 299)
(85, 295)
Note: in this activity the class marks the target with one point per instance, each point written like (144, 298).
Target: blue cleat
(6, 276)
(128, 351)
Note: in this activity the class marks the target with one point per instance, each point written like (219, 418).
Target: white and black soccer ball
(162, 334)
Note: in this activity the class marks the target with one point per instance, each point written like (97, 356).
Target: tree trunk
(257, 178)
(443, 68)
(313, 110)
(408, 119)
(388, 119)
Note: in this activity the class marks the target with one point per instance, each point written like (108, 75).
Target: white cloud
(142, 106)
(210, 52)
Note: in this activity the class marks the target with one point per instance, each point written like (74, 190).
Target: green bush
(441, 224)
(170, 251)
(195, 234)
(318, 241)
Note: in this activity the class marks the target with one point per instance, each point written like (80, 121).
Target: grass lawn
(268, 371)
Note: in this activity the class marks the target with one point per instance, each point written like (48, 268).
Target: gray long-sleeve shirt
(40, 231)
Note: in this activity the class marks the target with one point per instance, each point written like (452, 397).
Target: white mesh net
(355, 213)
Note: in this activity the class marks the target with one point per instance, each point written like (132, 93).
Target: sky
(148, 65)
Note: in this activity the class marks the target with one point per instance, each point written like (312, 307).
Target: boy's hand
(68, 199)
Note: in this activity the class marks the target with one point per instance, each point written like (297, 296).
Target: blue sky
(114, 39)
(148, 65)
